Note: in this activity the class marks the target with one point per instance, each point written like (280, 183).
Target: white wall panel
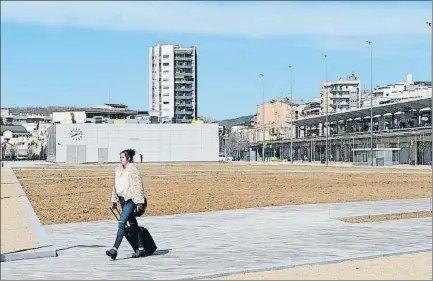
(157, 142)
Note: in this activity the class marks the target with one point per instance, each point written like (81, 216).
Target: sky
(90, 53)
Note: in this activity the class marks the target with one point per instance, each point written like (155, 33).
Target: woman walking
(129, 191)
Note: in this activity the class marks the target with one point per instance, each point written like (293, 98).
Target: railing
(182, 58)
(183, 112)
(177, 74)
(183, 104)
(183, 65)
(183, 97)
(183, 89)
(362, 133)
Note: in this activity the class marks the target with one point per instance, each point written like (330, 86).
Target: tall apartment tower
(173, 83)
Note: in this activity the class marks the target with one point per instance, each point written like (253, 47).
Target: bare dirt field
(200, 188)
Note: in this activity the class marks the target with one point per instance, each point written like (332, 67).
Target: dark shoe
(138, 254)
(111, 253)
(150, 252)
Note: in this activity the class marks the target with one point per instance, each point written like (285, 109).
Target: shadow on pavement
(157, 253)
(81, 246)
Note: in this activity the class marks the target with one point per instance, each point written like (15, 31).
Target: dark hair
(129, 153)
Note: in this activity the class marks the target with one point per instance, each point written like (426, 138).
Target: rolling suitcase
(149, 243)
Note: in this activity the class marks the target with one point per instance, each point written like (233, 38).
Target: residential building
(18, 143)
(397, 92)
(276, 116)
(342, 95)
(312, 108)
(29, 131)
(244, 133)
(173, 83)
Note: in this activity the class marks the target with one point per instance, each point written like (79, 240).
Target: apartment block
(397, 92)
(173, 83)
(342, 95)
(275, 115)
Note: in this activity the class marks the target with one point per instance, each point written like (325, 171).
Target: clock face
(76, 134)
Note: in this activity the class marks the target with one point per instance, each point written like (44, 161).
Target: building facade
(173, 83)
(23, 135)
(397, 92)
(18, 143)
(341, 95)
(311, 109)
(273, 119)
(102, 143)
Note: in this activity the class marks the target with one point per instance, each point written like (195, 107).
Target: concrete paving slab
(17, 233)
(205, 245)
(8, 190)
(23, 236)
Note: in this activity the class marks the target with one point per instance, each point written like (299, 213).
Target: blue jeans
(126, 215)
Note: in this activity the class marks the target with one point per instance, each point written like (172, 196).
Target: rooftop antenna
(109, 103)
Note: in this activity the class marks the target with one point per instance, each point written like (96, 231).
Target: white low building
(91, 143)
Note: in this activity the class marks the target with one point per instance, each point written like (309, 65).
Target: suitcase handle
(117, 218)
(118, 212)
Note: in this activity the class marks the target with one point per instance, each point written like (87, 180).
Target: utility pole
(371, 100)
(281, 135)
(263, 117)
(431, 111)
(326, 110)
(291, 114)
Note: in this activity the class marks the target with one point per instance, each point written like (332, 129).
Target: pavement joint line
(12, 197)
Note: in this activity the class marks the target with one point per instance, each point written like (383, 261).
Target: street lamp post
(291, 115)
(431, 110)
(263, 117)
(326, 110)
(371, 100)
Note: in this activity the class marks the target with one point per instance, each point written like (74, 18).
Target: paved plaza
(206, 245)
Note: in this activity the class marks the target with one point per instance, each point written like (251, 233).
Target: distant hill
(236, 121)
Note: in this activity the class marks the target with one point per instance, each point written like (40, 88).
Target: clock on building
(76, 134)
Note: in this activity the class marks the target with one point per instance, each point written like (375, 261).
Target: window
(166, 102)
(165, 72)
(165, 64)
(166, 87)
(166, 94)
(165, 56)
(165, 79)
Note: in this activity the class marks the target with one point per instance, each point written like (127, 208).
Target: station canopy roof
(391, 108)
